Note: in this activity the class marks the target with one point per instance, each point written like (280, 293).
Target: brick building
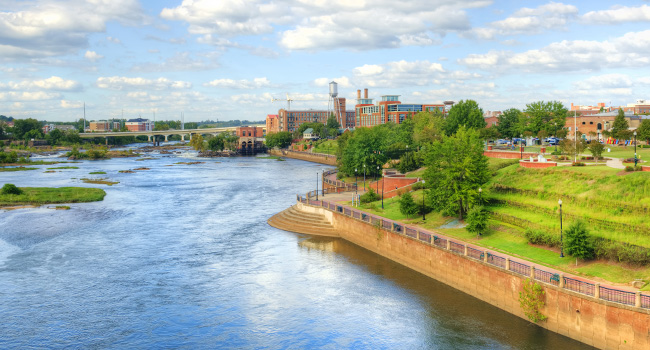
(251, 139)
(139, 124)
(291, 120)
(272, 123)
(389, 109)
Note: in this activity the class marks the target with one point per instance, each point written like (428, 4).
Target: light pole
(356, 184)
(317, 185)
(423, 217)
(377, 178)
(561, 242)
(521, 146)
(635, 159)
(555, 137)
(364, 178)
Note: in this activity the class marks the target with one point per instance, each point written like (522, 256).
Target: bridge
(166, 133)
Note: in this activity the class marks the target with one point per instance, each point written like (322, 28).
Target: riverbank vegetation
(47, 195)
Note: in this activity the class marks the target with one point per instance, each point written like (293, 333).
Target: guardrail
(522, 268)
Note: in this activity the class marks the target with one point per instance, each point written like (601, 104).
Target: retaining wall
(535, 164)
(310, 157)
(508, 155)
(591, 320)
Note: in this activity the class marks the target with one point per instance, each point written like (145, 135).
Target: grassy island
(48, 195)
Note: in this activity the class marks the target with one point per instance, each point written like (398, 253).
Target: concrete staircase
(296, 220)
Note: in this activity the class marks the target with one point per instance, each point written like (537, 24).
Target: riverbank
(595, 314)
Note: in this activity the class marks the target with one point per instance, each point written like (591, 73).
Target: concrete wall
(310, 157)
(596, 322)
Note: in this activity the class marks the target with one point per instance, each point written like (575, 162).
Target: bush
(541, 238)
(417, 186)
(369, 196)
(407, 205)
(408, 162)
(556, 153)
(8, 157)
(629, 168)
(11, 189)
(577, 164)
(578, 241)
(621, 252)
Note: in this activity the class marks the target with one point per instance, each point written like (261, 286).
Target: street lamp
(635, 159)
(561, 242)
(423, 218)
(377, 178)
(364, 178)
(521, 145)
(356, 184)
(317, 185)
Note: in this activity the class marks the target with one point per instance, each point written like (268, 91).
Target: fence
(572, 284)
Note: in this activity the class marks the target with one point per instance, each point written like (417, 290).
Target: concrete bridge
(166, 133)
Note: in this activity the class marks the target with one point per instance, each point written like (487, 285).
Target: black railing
(617, 296)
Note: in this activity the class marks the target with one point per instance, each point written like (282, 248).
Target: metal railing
(617, 296)
(551, 278)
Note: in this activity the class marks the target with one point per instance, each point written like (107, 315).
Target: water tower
(334, 92)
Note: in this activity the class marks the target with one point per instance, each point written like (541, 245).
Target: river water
(180, 256)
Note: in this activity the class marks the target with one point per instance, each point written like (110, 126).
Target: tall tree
(464, 113)
(366, 147)
(428, 127)
(24, 126)
(544, 116)
(508, 123)
(643, 132)
(620, 125)
(456, 168)
(280, 139)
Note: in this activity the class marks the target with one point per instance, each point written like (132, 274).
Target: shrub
(556, 153)
(578, 241)
(369, 196)
(407, 205)
(629, 168)
(531, 300)
(8, 157)
(417, 186)
(621, 252)
(577, 164)
(542, 238)
(11, 189)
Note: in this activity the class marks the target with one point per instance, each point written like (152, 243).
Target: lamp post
(377, 178)
(521, 146)
(382, 193)
(423, 217)
(316, 185)
(635, 159)
(364, 178)
(356, 184)
(555, 137)
(561, 242)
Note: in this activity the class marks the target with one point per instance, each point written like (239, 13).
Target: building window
(591, 123)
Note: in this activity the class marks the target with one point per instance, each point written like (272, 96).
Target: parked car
(502, 142)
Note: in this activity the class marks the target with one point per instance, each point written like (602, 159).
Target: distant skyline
(226, 59)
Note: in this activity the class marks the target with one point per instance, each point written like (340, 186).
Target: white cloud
(240, 84)
(629, 50)
(71, 104)
(45, 28)
(551, 16)
(51, 83)
(181, 61)
(113, 40)
(28, 96)
(126, 83)
(619, 14)
(93, 56)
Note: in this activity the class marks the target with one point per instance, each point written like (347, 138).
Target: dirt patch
(126, 171)
(142, 168)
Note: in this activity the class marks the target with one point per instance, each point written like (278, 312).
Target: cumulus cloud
(318, 25)
(71, 104)
(126, 83)
(629, 50)
(28, 96)
(239, 84)
(45, 28)
(93, 56)
(179, 62)
(528, 21)
(617, 15)
(51, 83)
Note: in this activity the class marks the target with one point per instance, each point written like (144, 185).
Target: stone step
(295, 220)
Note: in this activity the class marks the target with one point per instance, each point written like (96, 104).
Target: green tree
(407, 205)
(24, 126)
(620, 125)
(643, 132)
(596, 148)
(332, 126)
(542, 115)
(464, 113)
(428, 127)
(508, 123)
(477, 220)
(280, 139)
(11, 189)
(409, 161)
(35, 134)
(366, 147)
(53, 137)
(456, 168)
(578, 242)
(369, 196)
(216, 143)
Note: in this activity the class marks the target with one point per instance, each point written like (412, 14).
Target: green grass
(64, 167)
(100, 181)
(327, 146)
(48, 195)
(97, 173)
(20, 168)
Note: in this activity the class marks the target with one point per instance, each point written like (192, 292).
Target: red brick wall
(645, 168)
(528, 164)
(508, 155)
(403, 184)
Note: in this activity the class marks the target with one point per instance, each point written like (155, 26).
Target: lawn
(326, 146)
(47, 195)
(19, 168)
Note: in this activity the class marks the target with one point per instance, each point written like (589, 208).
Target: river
(180, 256)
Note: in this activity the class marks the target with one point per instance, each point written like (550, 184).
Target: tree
(643, 132)
(620, 125)
(197, 142)
(53, 137)
(578, 243)
(33, 134)
(464, 113)
(508, 123)
(216, 143)
(456, 168)
(573, 147)
(596, 148)
(544, 116)
(23, 126)
(408, 162)
(280, 139)
(407, 205)
(366, 147)
(332, 125)
(428, 127)
(477, 220)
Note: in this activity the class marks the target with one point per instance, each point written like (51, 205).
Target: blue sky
(226, 59)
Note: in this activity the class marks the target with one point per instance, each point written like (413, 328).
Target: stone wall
(310, 157)
(535, 164)
(596, 322)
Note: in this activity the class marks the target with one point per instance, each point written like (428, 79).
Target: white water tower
(334, 92)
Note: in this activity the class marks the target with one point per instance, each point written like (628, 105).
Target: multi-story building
(272, 123)
(250, 138)
(99, 126)
(291, 120)
(389, 109)
(139, 124)
(49, 127)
